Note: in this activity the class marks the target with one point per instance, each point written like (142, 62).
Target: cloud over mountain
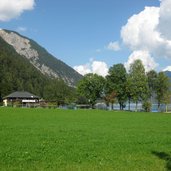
(168, 68)
(149, 31)
(10, 9)
(96, 67)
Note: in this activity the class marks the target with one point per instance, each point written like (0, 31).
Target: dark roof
(21, 94)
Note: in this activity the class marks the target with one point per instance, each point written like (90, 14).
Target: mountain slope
(40, 58)
(16, 73)
(168, 73)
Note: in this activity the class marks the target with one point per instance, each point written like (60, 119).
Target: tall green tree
(117, 82)
(110, 99)
(138, 81)
(128, 90)
(57, 90)
(91, 87)
(152, 83)
(162, 89)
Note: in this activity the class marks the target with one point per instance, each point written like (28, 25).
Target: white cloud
(113, 46)
(99, 68)
(83, 69)
(139, 33)
(145, 57)
(165, 19)
(96, 67)
(168, 68)
(10, 9)
(150, 31)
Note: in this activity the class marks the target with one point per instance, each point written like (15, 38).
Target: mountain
(36, 55)
(168, 73)
(16, 73)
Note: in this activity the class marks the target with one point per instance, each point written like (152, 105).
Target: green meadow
(84, 140)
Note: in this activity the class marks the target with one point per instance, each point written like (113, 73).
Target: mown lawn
(88, 140)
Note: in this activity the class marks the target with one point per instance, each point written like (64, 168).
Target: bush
(147, 106)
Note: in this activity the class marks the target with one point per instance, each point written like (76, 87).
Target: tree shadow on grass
(164, 156)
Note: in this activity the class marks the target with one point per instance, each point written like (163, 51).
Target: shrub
(147, 106)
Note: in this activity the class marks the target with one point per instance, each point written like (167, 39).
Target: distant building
(21, 98)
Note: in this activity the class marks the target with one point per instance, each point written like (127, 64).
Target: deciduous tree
(152, 83)
(162, 89)
(117, 83)
(138, 81)
(91, 87)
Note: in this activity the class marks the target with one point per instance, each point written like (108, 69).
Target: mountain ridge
(40, 58)
(17, 73)
(168, 74)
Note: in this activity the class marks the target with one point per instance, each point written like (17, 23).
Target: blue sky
(82, 33)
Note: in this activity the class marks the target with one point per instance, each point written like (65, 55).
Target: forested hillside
(16, 73)
(168, 73)
(39, 57)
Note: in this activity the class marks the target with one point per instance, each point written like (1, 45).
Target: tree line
(136, 86)
(17, 74)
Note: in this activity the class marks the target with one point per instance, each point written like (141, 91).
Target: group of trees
(135, 86)
(58, 92)
(118, 86)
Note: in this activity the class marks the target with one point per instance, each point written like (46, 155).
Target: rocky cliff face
(40, 58)
(23, 47)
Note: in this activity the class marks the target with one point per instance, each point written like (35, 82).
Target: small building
(21, 98)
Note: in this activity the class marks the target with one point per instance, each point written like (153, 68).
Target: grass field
(88, 140)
